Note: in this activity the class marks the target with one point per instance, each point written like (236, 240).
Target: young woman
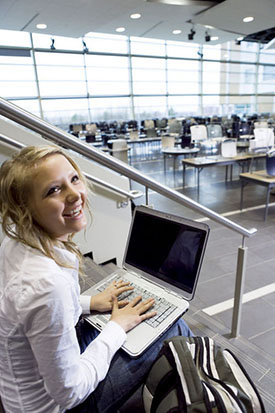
(51, 360)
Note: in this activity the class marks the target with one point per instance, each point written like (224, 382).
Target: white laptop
(163, 257)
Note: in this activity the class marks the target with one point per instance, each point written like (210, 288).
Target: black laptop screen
(169, 250)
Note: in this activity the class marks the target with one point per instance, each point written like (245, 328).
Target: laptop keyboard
(163, 307)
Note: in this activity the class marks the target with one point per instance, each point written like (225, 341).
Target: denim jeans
(125, 374)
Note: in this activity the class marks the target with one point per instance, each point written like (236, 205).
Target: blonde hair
(15, 191)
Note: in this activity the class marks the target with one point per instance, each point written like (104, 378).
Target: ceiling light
(135, 16)
(120, 29)
(248, 19)
(207, 37)
(191, 34)
(176, 31)
(214, 38)
(208, 27)
(240, 38)
(41, 26)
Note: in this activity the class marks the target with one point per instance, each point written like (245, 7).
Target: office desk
(200, 163)
(175, 152)
(259, 178)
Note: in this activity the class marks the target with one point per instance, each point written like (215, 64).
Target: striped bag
(195, 375)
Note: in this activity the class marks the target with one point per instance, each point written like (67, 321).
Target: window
(149, 76)
(107, 75)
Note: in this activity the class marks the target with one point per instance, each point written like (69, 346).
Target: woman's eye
(75, 178)
(53, 190)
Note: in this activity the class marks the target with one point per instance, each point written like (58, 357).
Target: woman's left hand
(104, 302)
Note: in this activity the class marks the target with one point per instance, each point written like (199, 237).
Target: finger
(115, 302)
(135, 300)
(122, 289)
(148, 315)
(145, 305)
(122, 303)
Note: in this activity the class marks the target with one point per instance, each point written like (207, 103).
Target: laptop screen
(167, 247)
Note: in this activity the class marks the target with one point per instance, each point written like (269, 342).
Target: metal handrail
(133, 194)
(63, 138)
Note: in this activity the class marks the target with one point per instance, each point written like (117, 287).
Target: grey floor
(255, 346)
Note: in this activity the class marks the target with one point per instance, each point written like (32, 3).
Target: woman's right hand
(132, 314)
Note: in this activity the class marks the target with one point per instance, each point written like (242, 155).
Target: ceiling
(75, 18)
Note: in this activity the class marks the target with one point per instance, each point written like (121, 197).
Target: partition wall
(111, 77)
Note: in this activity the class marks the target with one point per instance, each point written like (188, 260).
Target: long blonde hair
(15, 191)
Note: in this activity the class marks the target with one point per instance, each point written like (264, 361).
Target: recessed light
(135, 16)
(214, 38)
(120, 29)
(176, 31)
(248, 19)
(41, 26)
(208, 27)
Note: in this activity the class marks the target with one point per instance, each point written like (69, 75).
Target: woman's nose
(72, 194)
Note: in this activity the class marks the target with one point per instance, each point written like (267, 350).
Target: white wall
(106, 236)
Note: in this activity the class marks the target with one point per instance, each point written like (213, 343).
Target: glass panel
(180, 49)
(245, 52)
(183, 106)
(267, 56)
(150, 107)
(15, 88)
(266, 79)
(150, 47)
(183, 76)
(62, 88)
(108, 75)
(62, 112)
(149, 76)
(31, 106)
(211, 106)
(266, 104)
(61, 74)
(211, 77)
(212, 52)
(104, 43)
(14, 38)
(118, 109)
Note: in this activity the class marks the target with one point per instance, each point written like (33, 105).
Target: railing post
(239, 286)
(146, 196)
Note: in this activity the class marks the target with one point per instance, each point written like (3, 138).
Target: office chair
(198, 133)
(270, 162)
(214, 130)
(229, 148)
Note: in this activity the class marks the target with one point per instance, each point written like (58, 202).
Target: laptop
(163, 257)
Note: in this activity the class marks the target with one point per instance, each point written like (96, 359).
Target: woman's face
(58, 197)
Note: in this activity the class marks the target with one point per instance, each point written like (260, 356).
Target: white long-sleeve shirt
(41, 368)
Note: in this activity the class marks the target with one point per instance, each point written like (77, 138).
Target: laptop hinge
(167, 290)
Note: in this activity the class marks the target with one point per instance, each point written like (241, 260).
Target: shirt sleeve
(85, 303)
(48, 319)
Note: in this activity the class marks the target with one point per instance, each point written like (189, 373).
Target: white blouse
(41, 368)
